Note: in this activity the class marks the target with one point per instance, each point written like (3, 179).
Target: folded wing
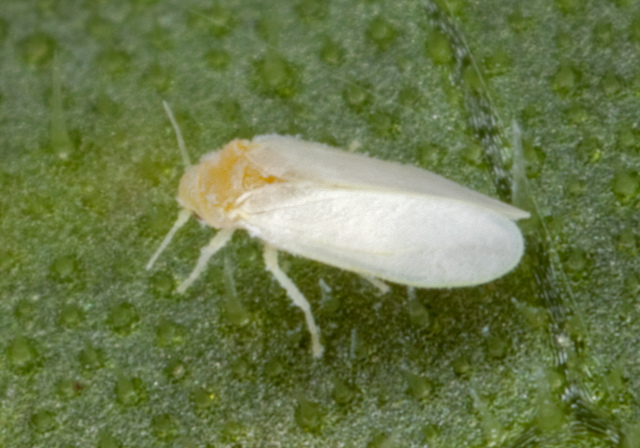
(413, 239)
(295, 160)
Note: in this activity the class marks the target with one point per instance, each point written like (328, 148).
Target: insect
(376, 218)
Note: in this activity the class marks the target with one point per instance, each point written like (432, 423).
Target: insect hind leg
(271, 262)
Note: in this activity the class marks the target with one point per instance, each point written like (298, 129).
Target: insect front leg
(271, 262)
(217, 242)
(183, 217)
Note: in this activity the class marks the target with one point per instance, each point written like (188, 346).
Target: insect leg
(183, 217)
(217, 242)
(381, 286)
(271, 262)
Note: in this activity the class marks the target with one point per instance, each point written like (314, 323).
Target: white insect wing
(407, 238)
(293, 159)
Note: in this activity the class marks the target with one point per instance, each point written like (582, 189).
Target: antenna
(184, 214)
(176, 128)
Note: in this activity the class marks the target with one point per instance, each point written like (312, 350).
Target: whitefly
(379, 219)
